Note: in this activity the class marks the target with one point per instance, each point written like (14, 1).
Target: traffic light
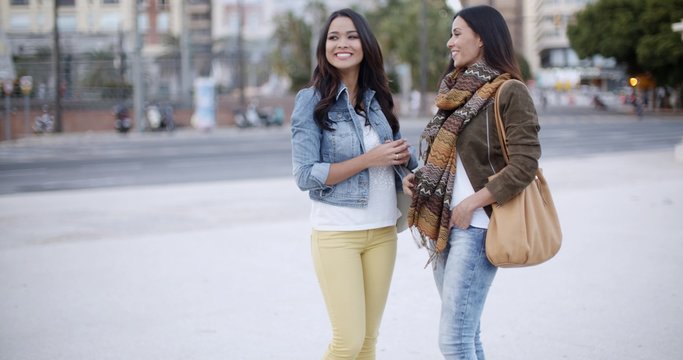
(633, 81)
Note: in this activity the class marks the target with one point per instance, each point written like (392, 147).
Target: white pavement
(223, 271)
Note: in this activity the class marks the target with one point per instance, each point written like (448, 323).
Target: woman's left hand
(408, 184)
(461, 216)
(402, 157)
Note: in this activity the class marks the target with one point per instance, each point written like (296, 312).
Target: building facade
(104, 27)
(85, 25)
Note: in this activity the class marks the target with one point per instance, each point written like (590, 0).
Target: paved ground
(222, 271)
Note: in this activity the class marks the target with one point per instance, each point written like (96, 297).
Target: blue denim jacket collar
(367, 97)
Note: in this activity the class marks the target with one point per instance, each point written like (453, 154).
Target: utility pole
(185, 82)
(424, 56)
(56, 55)
(317, 12)
(138, 83)
(240, 53)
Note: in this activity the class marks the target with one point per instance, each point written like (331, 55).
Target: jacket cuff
(498, 190)
(320, 172)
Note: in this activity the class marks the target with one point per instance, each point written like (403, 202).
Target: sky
(454, 4)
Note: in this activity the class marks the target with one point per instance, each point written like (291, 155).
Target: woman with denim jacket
(452, 193)
(347, 153)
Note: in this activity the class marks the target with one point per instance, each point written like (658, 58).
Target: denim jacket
(314, 149)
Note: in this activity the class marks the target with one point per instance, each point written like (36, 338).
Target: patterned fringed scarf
(462, 94)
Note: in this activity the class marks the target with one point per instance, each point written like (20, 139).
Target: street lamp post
(56, 57)
(240, 54)
(138, 84)
(8, 88)
(678, 151)
(424, 55)
(185, 85)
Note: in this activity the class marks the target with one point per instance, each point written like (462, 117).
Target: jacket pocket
(343, 143)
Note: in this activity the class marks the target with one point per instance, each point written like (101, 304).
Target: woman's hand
(408, 184)
(461, 216)
(388, 154)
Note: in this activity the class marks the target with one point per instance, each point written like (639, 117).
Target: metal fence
(99, 82)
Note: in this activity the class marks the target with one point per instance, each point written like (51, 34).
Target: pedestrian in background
(346, 152)
(452, 195)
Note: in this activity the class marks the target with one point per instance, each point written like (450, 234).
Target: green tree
(636, 33)
(292, 53)
(660, 50)
(396, 25)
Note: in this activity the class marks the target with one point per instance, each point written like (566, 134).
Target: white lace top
(381, 211)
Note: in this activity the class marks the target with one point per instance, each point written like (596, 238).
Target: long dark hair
(326, 78)
(490, 25)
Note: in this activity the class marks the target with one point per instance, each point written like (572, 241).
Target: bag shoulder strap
(499, 121)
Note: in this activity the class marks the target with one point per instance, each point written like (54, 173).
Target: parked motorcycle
(122, 121)
(43, 123)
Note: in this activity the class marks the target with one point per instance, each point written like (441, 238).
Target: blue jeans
(463, 277)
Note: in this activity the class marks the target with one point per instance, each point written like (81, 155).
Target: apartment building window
(67, 22)
(19, 2)
(110, 22)
(201, 16)
(20, 22)
(66, 2)
(162, 23)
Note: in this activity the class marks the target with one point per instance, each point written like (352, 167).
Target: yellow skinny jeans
(354, 269)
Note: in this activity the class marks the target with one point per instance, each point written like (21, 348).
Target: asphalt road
(75, 161)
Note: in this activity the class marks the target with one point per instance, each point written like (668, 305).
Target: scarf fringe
(424, 241)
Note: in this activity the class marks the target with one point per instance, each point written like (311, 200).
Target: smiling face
(343, 48)
(465, 45)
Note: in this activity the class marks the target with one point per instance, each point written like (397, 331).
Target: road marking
(23, 172)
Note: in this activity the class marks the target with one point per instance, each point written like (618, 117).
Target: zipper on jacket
(488, 140)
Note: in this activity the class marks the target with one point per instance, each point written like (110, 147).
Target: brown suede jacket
(482, 158)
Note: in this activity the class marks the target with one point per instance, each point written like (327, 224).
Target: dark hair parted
(490, 25)
(326, 78)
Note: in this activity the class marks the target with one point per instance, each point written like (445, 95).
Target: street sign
(8, 86)
(26, 84)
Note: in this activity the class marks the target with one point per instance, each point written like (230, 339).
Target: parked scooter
(255, 117)
(160, 117)
(43, 123)
(122, 121)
